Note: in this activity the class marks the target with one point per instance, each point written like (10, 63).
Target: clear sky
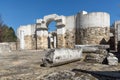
(22, 12)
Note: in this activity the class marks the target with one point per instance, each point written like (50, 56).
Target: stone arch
(60, 24)
(60, 20)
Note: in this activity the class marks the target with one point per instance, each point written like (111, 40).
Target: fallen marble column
(56, 57)
(91, 48)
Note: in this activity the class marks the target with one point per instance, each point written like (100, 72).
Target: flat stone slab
(91, 48)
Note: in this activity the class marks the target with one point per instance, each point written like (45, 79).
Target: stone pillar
(51, 43)
(54, 41)
(22, 41)
(61, 37)
(42, 39)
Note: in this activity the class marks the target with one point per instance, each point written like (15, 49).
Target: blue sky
(22, 12)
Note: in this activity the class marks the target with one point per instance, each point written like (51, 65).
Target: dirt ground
(26, 65)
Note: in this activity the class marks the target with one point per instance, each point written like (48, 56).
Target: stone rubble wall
(4, 47)
(93, 35)
(8, 46)
(70, 38)
(42, 39)
(29, 42)
(42, 42)
(60, 41)
(13, 45)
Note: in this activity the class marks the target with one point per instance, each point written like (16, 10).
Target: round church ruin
(80, 29)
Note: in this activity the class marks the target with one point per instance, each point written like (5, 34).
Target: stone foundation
(92, 35)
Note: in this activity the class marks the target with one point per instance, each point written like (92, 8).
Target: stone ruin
(80, 29)
(90, 32)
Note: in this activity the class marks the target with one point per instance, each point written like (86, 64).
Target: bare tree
(1, 25)
(1, 21)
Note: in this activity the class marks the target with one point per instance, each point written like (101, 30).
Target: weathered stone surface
(112, 60)
(61, 56)
(97, 57)
(93, 35)
(13, 45)
(4, 47)
(42, 42)
(28, 42)
(91, 48)
(83, 28)
(62, 75)
(61, 41)
(70, 38)
(68, 75)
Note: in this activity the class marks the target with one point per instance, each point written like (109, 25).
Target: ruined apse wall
(92, 28)
(25, 36)
(83, 28)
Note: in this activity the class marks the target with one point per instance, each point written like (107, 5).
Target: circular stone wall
(93, 28)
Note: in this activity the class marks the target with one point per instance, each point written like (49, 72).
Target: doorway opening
(52, 35)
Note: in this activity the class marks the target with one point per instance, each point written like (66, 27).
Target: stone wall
(70, 38)
(42, 42)
(4, 47)
(42, 39)
(83, 28)
(8, 46)
(28, 42)
(92, 35)
(13, 45)
(60, 41)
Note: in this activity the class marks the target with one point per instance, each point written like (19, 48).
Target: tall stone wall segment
(42, 36)
(70, 31)
(92, 28)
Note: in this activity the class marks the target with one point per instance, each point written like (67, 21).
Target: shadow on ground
(101, 75)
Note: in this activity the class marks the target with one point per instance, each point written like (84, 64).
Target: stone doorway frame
(60, 24)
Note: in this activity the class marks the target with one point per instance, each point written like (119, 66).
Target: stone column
(54, 41)
(22, 41)
(51, 43)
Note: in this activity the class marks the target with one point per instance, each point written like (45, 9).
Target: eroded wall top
(93, 19)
